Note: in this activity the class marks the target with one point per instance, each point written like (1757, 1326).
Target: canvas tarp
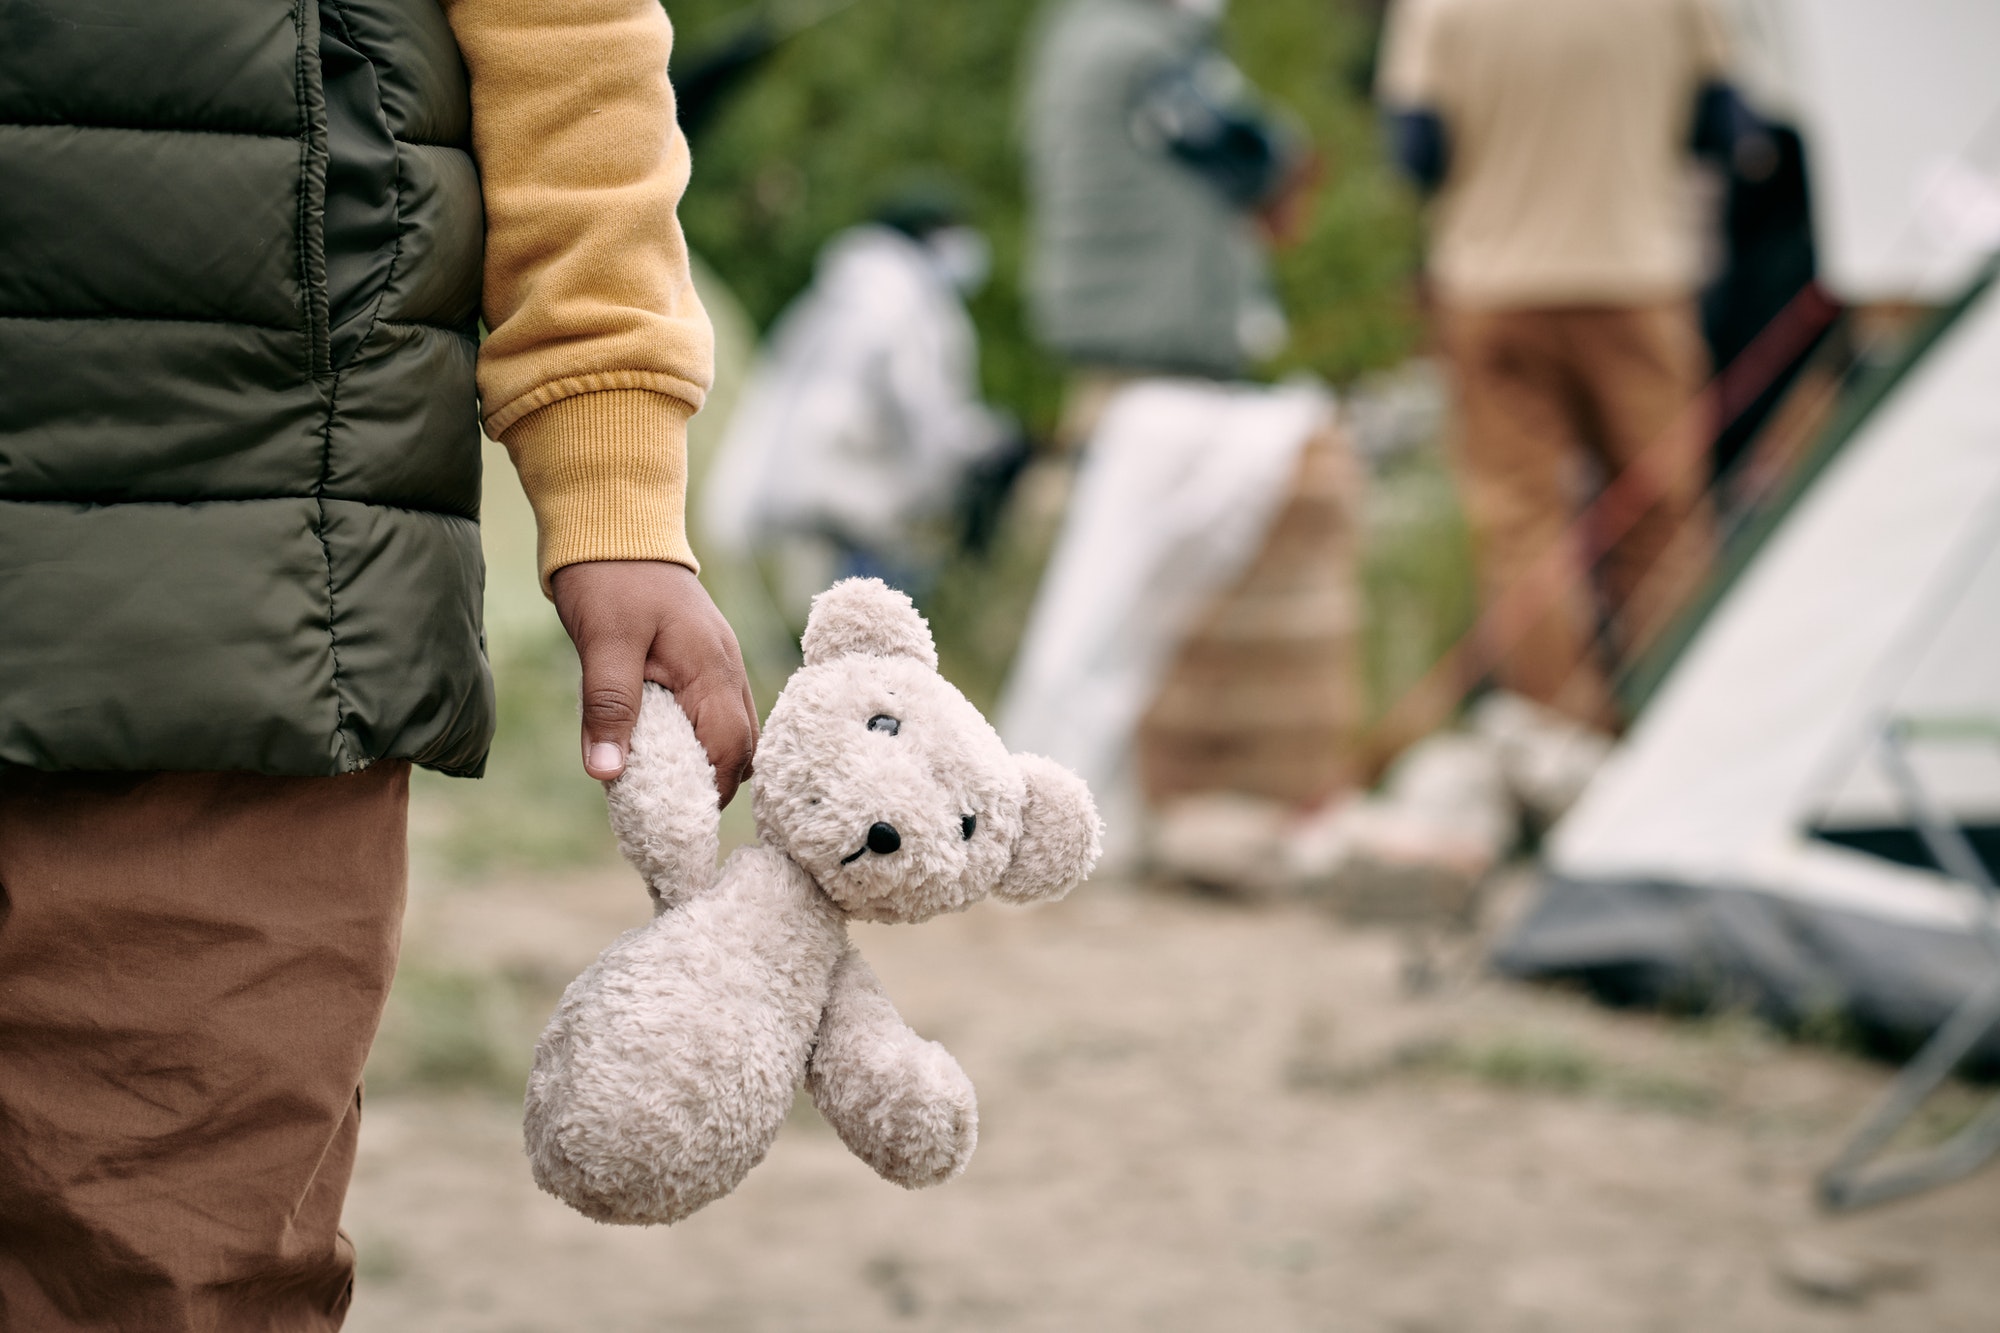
(1178, 486)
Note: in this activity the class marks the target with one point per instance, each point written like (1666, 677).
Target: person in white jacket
(862, 423)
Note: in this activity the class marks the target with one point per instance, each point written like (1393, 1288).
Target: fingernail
(604, 757)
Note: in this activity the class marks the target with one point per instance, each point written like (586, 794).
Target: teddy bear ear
(1061, 835)
(866, 616)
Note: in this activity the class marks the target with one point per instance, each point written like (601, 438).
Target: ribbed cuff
(607, 476)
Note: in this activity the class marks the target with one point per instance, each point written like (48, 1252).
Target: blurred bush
(853, 105)
(1416, 573)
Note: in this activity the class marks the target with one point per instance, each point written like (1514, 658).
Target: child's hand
(638, 620)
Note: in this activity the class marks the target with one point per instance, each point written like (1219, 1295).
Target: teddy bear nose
(883, 839)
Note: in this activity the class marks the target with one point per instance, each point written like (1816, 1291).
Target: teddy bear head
(889, 788)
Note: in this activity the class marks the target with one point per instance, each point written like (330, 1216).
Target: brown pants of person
(1544, 395)
(192, 967)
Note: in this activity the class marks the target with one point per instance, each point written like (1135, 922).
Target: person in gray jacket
(1156, 181)
(1160, 183)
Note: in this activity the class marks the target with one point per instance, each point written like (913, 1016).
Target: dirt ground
(1194, 1116)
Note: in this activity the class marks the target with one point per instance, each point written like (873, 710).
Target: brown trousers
(1546, 397)
(192, 967)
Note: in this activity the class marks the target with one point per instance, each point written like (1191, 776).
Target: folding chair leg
(1857, 1180)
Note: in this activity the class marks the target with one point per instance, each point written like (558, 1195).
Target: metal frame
(1859, 1177)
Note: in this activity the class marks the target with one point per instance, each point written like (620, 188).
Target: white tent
(1743, 845)
(1901, 115)
(1706, 861)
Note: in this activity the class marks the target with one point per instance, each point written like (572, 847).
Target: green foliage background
(886, 87)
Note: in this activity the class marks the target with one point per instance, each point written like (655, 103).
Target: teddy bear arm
(900, 1103)
(663, 807)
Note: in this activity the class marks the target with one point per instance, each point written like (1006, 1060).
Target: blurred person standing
(1194, 631)
(1769, 263)
(245, 249)
(1152, 172)
(862, 426)
(1558, 137)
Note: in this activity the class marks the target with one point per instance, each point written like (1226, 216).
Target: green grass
(1547, 1065)
(1526, 1063)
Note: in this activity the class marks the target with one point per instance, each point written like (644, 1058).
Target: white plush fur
(661, 807)
(670, 1064)
(899, 1102)
(672, 1060)
(867, 617)
(1060, 829)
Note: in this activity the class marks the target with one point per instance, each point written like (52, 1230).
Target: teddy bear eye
(885, 724)
(967, 825)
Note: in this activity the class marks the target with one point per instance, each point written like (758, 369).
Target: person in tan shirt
(193, 964)
(1558, 137)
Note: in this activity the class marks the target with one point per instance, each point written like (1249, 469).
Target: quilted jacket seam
(318, 318)
(184, 501)
(463, 331)
(326, 553)
(155, 319)
(396, 252)
(148, 129)
(395, 259)
(303, 68)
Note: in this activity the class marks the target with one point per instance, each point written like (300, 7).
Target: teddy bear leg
(672, 1061)
(900, 1103)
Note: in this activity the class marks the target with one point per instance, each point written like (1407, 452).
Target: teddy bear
(880, 794)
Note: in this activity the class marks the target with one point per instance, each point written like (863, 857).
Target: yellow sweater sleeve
(598, 348)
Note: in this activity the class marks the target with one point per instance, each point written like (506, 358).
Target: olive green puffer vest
(239, 460)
